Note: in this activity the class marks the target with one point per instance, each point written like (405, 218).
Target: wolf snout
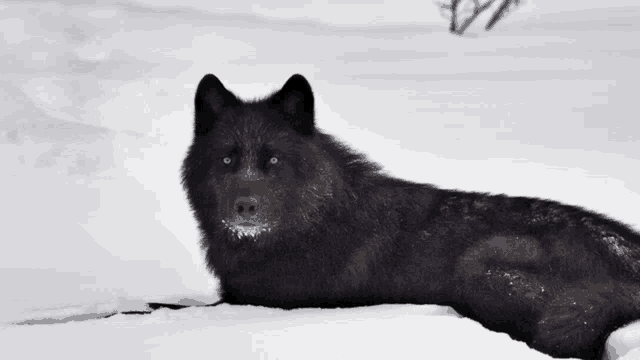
(246, 206)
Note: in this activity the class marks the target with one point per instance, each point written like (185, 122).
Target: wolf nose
(246, 206)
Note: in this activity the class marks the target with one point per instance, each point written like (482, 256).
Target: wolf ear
(295, 102)
(211, 99)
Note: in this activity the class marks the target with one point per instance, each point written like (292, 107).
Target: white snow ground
(95, 117)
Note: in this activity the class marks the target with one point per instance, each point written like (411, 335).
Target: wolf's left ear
(295, 101)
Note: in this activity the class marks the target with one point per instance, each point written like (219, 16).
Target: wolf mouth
(247, 228)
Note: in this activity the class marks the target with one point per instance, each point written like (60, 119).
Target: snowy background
(96, 115)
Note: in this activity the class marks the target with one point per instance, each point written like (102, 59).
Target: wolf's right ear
(211, 99)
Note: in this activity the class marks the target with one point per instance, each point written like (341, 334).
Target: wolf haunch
(290, 217)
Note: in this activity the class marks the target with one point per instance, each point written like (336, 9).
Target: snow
(247, 332)
(95, 118)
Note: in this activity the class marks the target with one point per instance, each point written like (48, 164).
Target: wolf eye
(226, 160)
(273, 160)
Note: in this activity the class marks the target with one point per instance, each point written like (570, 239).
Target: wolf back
(290, 217)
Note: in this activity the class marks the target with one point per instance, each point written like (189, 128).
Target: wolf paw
(577, 319)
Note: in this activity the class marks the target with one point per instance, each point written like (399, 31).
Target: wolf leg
(505, 300)
(578, 321)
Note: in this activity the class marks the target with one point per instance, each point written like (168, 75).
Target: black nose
(246, 206)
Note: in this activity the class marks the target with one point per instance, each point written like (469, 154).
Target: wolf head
(256, 167)
(293, 102)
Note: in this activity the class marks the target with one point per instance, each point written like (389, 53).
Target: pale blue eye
(273, 160)
(226, 160)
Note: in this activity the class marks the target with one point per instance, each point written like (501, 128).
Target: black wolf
(290, 217)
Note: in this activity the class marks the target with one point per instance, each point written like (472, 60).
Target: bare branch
(453, 24)
(477, 10)
(502, 10)
(445, 10)
(467, 11)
